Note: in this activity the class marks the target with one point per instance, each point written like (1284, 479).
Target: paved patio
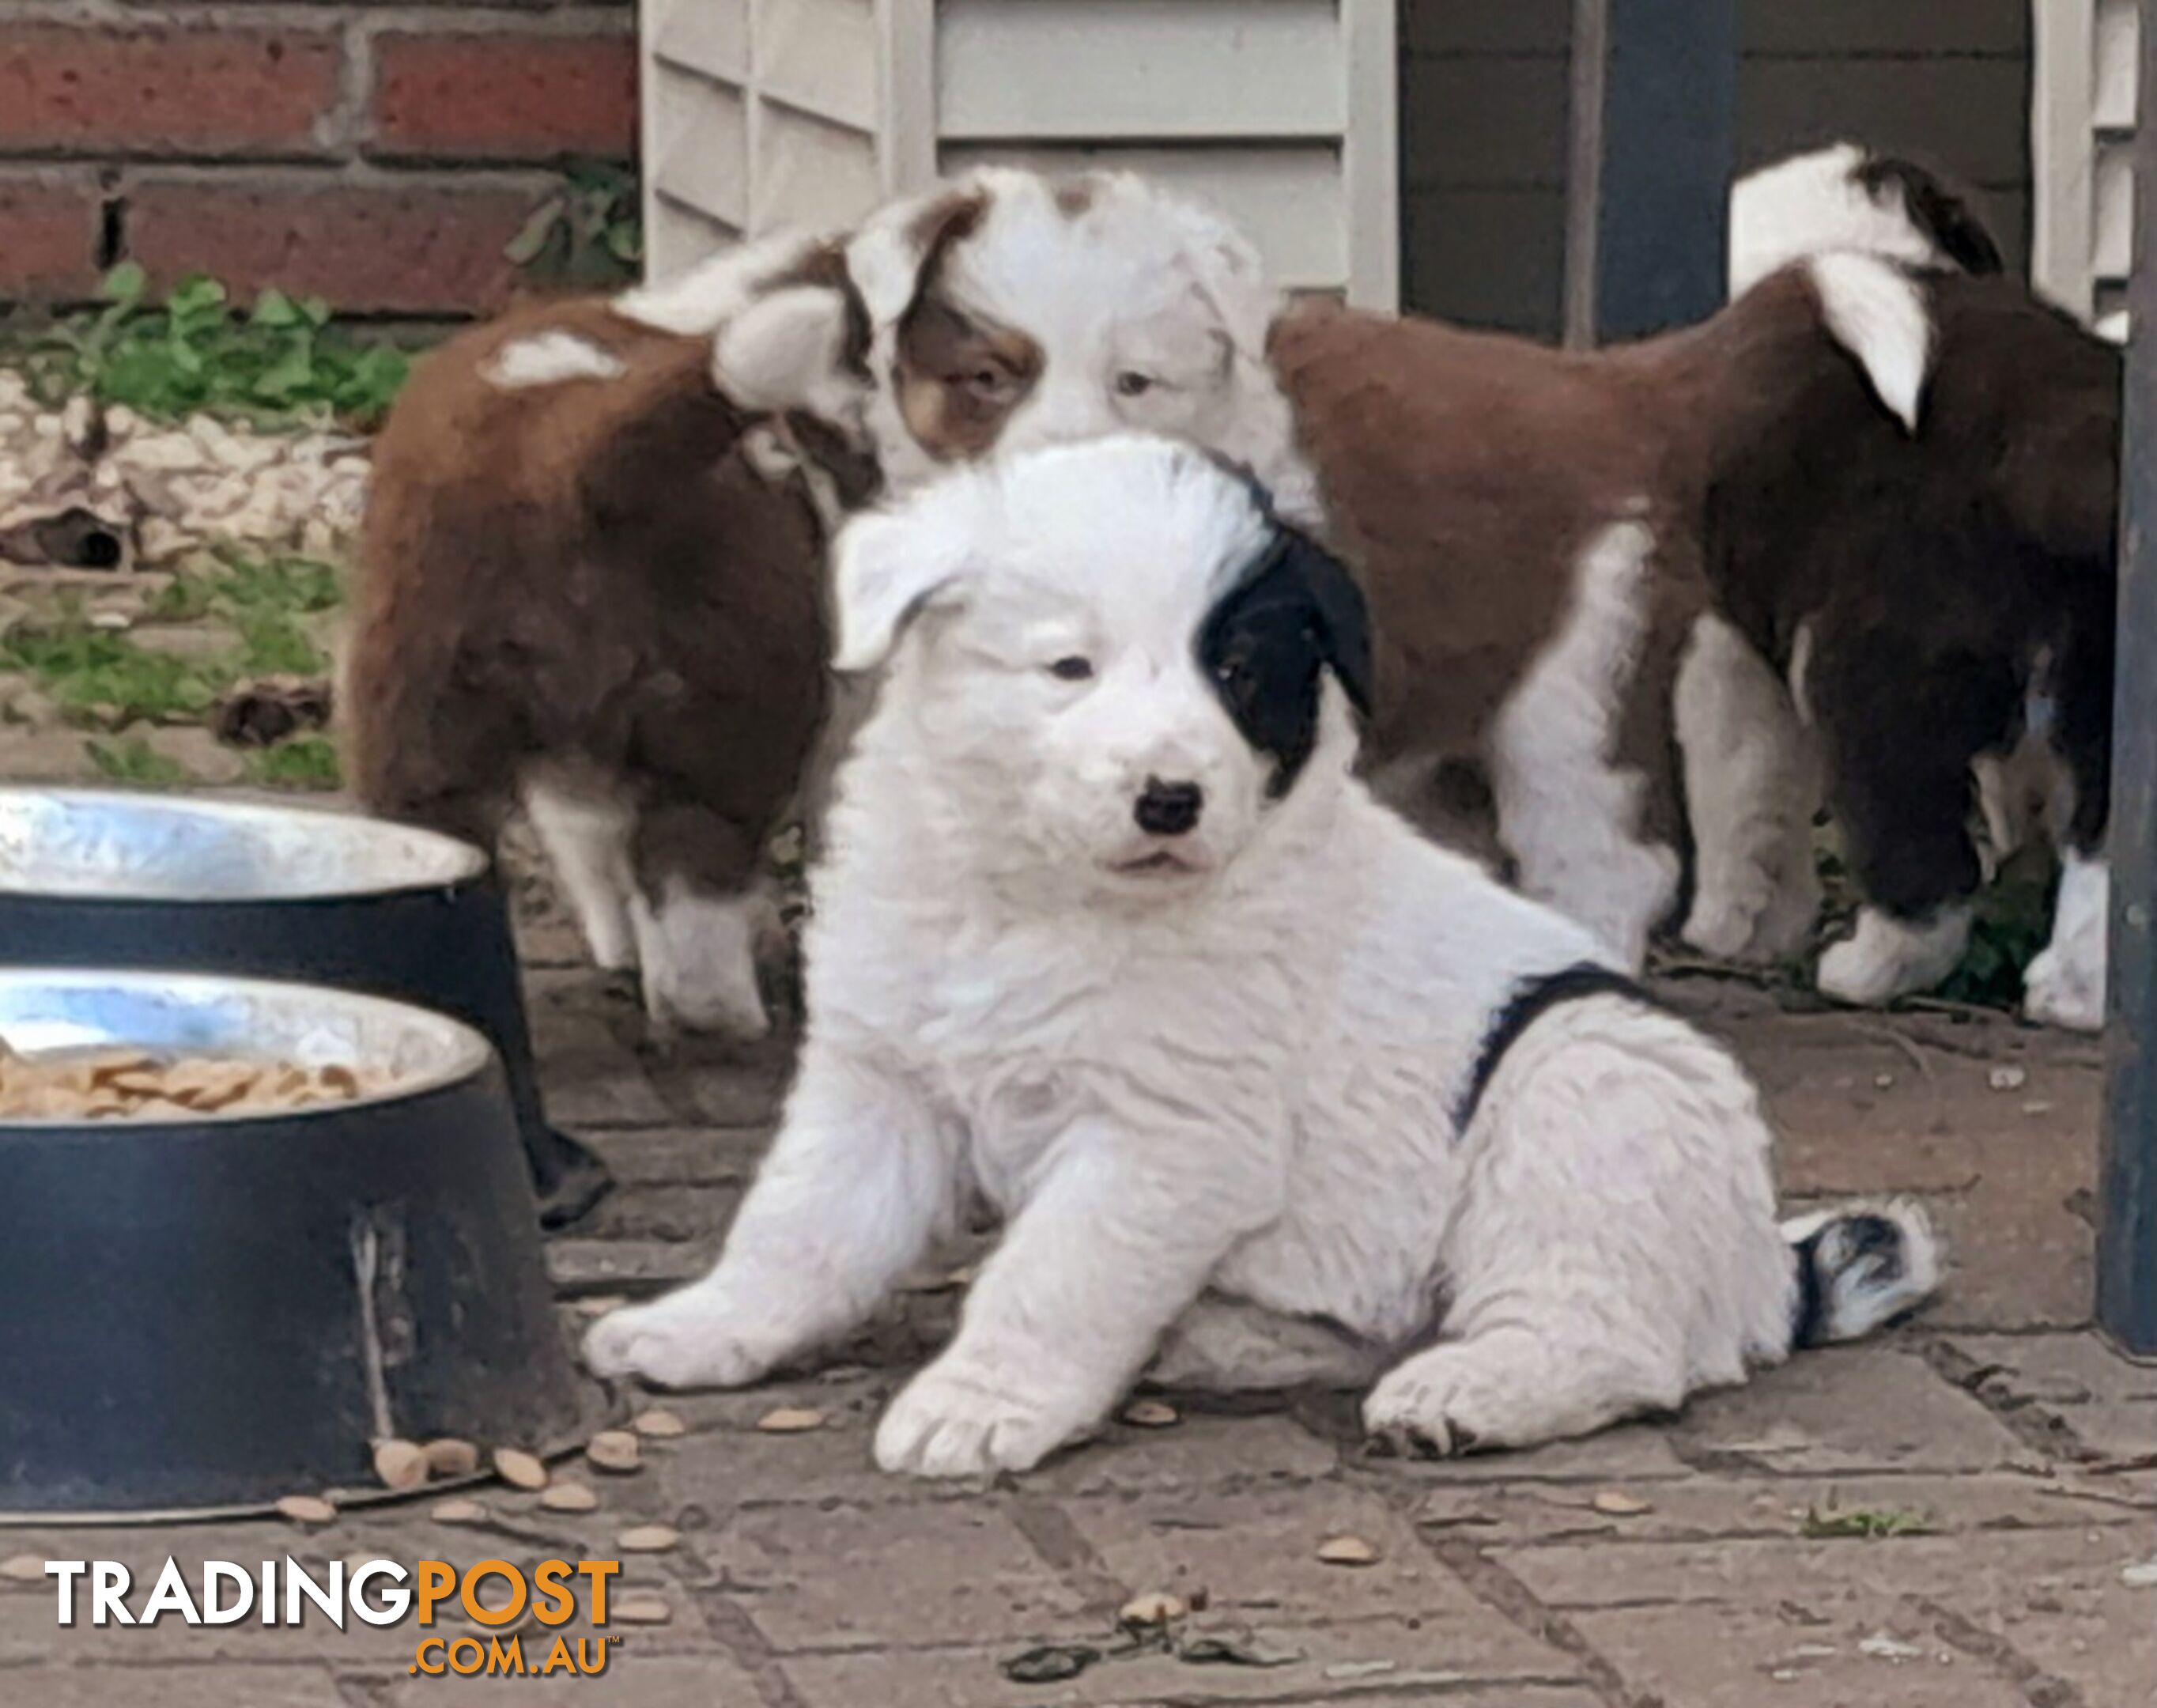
(1964, 1513)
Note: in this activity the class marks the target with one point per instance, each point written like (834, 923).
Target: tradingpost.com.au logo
(493, 1594)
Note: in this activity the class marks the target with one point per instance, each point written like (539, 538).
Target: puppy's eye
(985, 382)
(1074, 669)
(1131, 384)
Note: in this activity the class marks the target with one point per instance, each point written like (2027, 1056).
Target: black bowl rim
(471, 862)
(474, 1053)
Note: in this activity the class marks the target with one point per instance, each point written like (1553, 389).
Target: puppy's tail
(1859, 1266)
(1878, 312)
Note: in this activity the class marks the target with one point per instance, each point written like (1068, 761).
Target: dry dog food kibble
(128, 1084)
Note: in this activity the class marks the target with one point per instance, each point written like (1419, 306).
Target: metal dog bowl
(95, 878)
(209, 1312)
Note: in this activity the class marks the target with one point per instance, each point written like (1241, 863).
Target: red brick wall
(379, 156)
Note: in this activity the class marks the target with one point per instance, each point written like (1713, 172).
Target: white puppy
(1270, 1089)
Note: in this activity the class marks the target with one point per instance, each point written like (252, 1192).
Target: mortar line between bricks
(1500, 1590)
(2030, 1422)
(362, 1692)
(1063, 1548)
(1520, 1693)
(2035, 1686)
(738, 1634)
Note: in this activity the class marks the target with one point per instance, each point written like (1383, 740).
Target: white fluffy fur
(1570, 813)
(700, 300)
(1885, 957)
(786, 351)
(1878, 314)
(586, 837)
(1752, 786)
(1812, 204)
(1213, 1102)
(550, 358)
(2064, 985)
(694, 950)
(1141, 282)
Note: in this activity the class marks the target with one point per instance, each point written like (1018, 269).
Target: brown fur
(1463, 473)
(958, 378)
(587, 574)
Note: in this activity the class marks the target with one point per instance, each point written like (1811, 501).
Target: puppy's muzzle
(1168, 809)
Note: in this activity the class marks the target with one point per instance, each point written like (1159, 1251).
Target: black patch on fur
(1934, 209)
(1531, 999)
(1294, 613)
(1808, 1320)
(1870, 1242)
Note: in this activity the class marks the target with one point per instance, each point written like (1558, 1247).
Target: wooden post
(2127, 1231)
(1652, 143)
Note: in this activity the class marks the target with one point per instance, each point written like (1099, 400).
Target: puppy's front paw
(1412, 1412)
(688, 1340)
(950, 1423)
(2058, 991)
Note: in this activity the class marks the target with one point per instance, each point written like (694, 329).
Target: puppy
(1270, 1089)
(1934, 605)
(590, 580)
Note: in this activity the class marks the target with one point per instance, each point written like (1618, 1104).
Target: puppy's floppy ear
(796, 349)
(1230, 275)
(1342, 615)
(886, 567)
(895, 247)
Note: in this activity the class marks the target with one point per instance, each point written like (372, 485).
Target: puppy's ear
(1342, 615)
(797, 349)
(886, 567)
(898, 247)
(1231, 278)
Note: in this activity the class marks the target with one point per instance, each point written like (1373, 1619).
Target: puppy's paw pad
(946, 1426)
(681, 1342)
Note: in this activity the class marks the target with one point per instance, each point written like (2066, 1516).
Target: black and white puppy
(1268, 1089)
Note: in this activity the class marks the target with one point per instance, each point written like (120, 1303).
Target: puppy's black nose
(1168, 809)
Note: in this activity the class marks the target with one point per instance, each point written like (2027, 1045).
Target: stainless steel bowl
(100, 878)
(209, 1312)
(113, 846)
(43, 1012)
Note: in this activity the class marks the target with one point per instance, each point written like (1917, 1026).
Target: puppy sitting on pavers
(1270, 1089)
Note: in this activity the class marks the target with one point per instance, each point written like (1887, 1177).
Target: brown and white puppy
(590, 581)
(1909, 624)
(1935, 599)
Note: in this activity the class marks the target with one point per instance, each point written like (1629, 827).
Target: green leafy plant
(1869, 1524)
(134, 762)
(2014, 921)
(588, 235)
(104, 679)
(279, 362)
(307, 762)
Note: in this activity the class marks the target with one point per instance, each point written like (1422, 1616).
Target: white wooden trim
(2062, 152)
(765, 113)
(1371, 154)
(908, 134)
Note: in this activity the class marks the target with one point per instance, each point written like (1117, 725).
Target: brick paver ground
(1728, 1557)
